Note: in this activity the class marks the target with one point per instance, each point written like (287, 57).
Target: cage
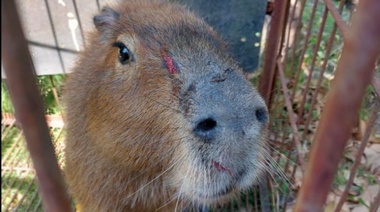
(318, 73)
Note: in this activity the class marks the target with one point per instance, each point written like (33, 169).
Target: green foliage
(6, 104)
(47, 86)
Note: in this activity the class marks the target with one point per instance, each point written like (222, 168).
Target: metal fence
(319, 78)
(315, 78)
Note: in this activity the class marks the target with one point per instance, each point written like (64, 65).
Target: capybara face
(157, 112)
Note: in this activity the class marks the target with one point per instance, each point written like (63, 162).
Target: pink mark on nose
(221, 168)
(169, 62)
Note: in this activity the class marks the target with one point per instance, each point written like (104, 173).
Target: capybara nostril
(261, 114)
(205, 129)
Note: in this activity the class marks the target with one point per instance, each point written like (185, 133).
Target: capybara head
(158, 115)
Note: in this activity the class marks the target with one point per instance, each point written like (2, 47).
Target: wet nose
(261, 114)
(206, 129)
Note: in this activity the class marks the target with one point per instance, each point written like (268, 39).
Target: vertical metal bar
(12, 161)
(26, 193)
(312, 65)
(34, 198)
(354, 73)
(11, 150)
(296, 36)
(286, 198)
(19, 180)
(292, 117)
(247, 199)
(29, 110)
(355, 166)
(268, 77)
(255, 200)
(376, 85)
(290, 22)
(304, 47)
(55, 94)
(264, 196)
(322, 71)
(79, 22)
(55, 36)
(267, 80)
(336, 15)
(375, 204)
(6, 131)
(98, 5)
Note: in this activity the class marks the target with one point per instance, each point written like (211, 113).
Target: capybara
(158, 116)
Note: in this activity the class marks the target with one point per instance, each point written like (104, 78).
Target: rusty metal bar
(354, 73)
(304, 47)
(376, 85)
(34, 197)
(11, 152)
(11, 149)
(13, 161)
(283, 34)
(38, 206)
(79, 22)
(17, 187)
(292, 116)
(8, 128)
(296, 35)
(312, 66)
(337, 17)
(322, 71)
(30, 185)
(355, 166)
(286, 197)
(290, 23)
(268, 77)
(375, 204)
(53, 30)
(98, 5)
(29, 110)
(55, 94)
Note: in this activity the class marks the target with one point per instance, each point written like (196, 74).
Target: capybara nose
(261, 114)
(205, 129)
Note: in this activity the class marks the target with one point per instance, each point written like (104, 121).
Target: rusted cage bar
(29, 109)
(339, 116)
(290, 81)
(371, 123)
(337, 17)
(266, 84)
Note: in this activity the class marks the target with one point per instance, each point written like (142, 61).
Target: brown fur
(126, 129)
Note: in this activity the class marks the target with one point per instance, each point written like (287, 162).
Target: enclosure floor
(19, 191)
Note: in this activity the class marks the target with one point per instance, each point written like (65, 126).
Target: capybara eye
(124, 53)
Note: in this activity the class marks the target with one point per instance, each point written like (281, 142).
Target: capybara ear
(106, 19)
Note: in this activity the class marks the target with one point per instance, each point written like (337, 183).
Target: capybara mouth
(221, 168)
(237, 175)
(212, 196)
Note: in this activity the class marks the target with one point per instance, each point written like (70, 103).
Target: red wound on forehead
(169, 62)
